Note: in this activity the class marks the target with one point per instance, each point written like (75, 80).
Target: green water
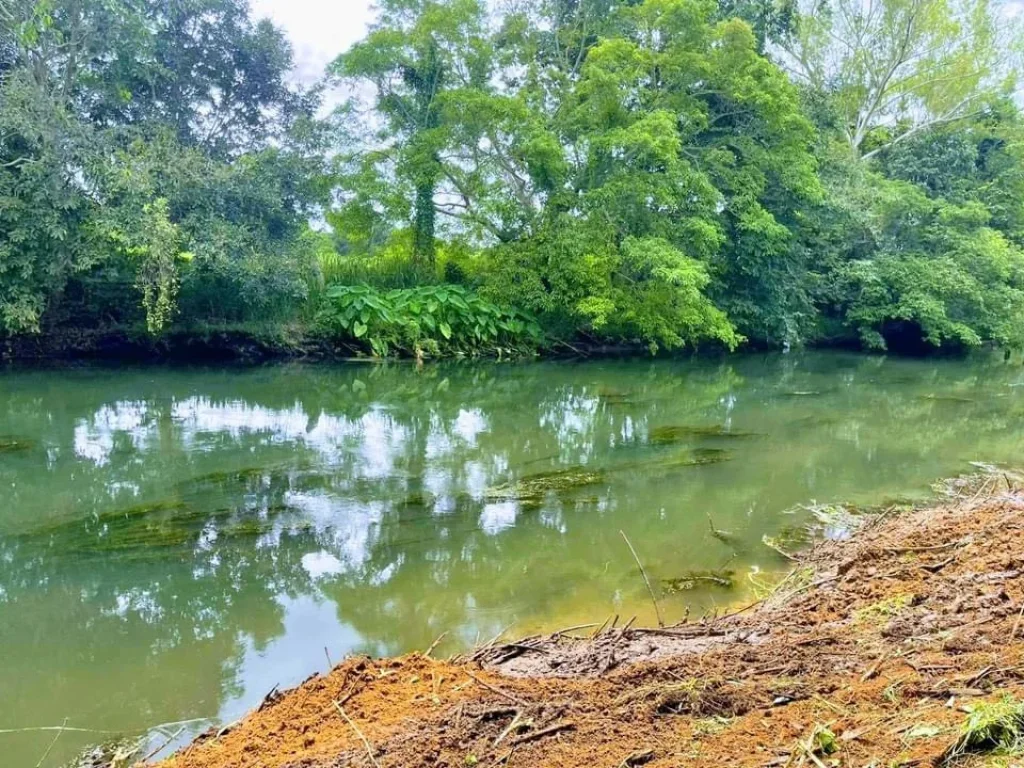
(176, 542)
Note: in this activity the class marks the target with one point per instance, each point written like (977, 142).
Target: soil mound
(901, 646)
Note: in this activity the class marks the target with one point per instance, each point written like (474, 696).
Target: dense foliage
(665, 173)
(428, 320)
(150, 148)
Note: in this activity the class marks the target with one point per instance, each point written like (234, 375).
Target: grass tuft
(995, 728)
(884, 609)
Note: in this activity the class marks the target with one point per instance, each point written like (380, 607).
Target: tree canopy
(662, 173)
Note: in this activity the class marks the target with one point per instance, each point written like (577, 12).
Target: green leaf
(446, 330)
(359, 329)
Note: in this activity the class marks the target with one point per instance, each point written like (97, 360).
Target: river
(176, 542)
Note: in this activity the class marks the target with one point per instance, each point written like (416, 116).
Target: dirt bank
(874, 651)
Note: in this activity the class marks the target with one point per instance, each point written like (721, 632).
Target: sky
(318, 29)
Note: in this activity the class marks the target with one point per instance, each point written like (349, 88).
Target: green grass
(995, 728)
(884, 609)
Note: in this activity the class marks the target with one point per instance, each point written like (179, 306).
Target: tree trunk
(425, 224)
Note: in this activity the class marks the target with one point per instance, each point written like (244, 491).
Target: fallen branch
(909, 550)
(434, 644)
(600, 629)
(574, 628)
(551, 729)
(874, 668)
(159, 749)
(511, 727)
(767, 541)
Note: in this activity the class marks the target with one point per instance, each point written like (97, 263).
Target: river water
(174, 542)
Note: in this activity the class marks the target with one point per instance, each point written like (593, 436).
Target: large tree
(894, 68)
(417, 57)
(677, 152)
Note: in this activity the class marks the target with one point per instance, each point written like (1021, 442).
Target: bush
(427, 321)
(577, 279)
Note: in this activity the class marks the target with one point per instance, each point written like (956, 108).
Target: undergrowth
(427, 321)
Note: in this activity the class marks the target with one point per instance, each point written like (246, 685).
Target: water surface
(176, 542)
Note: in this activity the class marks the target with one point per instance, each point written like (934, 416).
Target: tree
(895, 68)
(134, 131)
(209, 71)
(43, 211)
(678, 148)
(416, 58)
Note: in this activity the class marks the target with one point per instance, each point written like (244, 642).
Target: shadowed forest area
(502, 178)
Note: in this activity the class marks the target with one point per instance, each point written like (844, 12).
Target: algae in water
(533, 489)
(679, 434)
(15, 445)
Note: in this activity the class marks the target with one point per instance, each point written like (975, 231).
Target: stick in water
(49, 748)
(657, 611)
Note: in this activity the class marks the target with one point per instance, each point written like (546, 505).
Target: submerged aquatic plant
(141, 529)
(697, 457)
(680, 434)
(827, 521)
(692, 579)
(610, 396)
(533, 489)
(815, 420)
(224, 477)
(947, 398)
(15, 445)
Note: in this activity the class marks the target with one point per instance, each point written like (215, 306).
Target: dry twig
(494, 689)
(1016, 624)
(359, 733)
(436, 643)
(551, 729)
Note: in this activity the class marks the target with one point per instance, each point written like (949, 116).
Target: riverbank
(250, 343)
(899, 646)
(242, 343)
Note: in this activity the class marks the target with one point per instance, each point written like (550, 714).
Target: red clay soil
(871, 652)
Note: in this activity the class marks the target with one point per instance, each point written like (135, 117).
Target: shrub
(427, 321)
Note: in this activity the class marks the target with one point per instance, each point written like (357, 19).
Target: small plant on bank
(427, 321)
(884, 609)
(995, 727)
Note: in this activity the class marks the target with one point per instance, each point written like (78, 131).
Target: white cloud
(318, 29)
